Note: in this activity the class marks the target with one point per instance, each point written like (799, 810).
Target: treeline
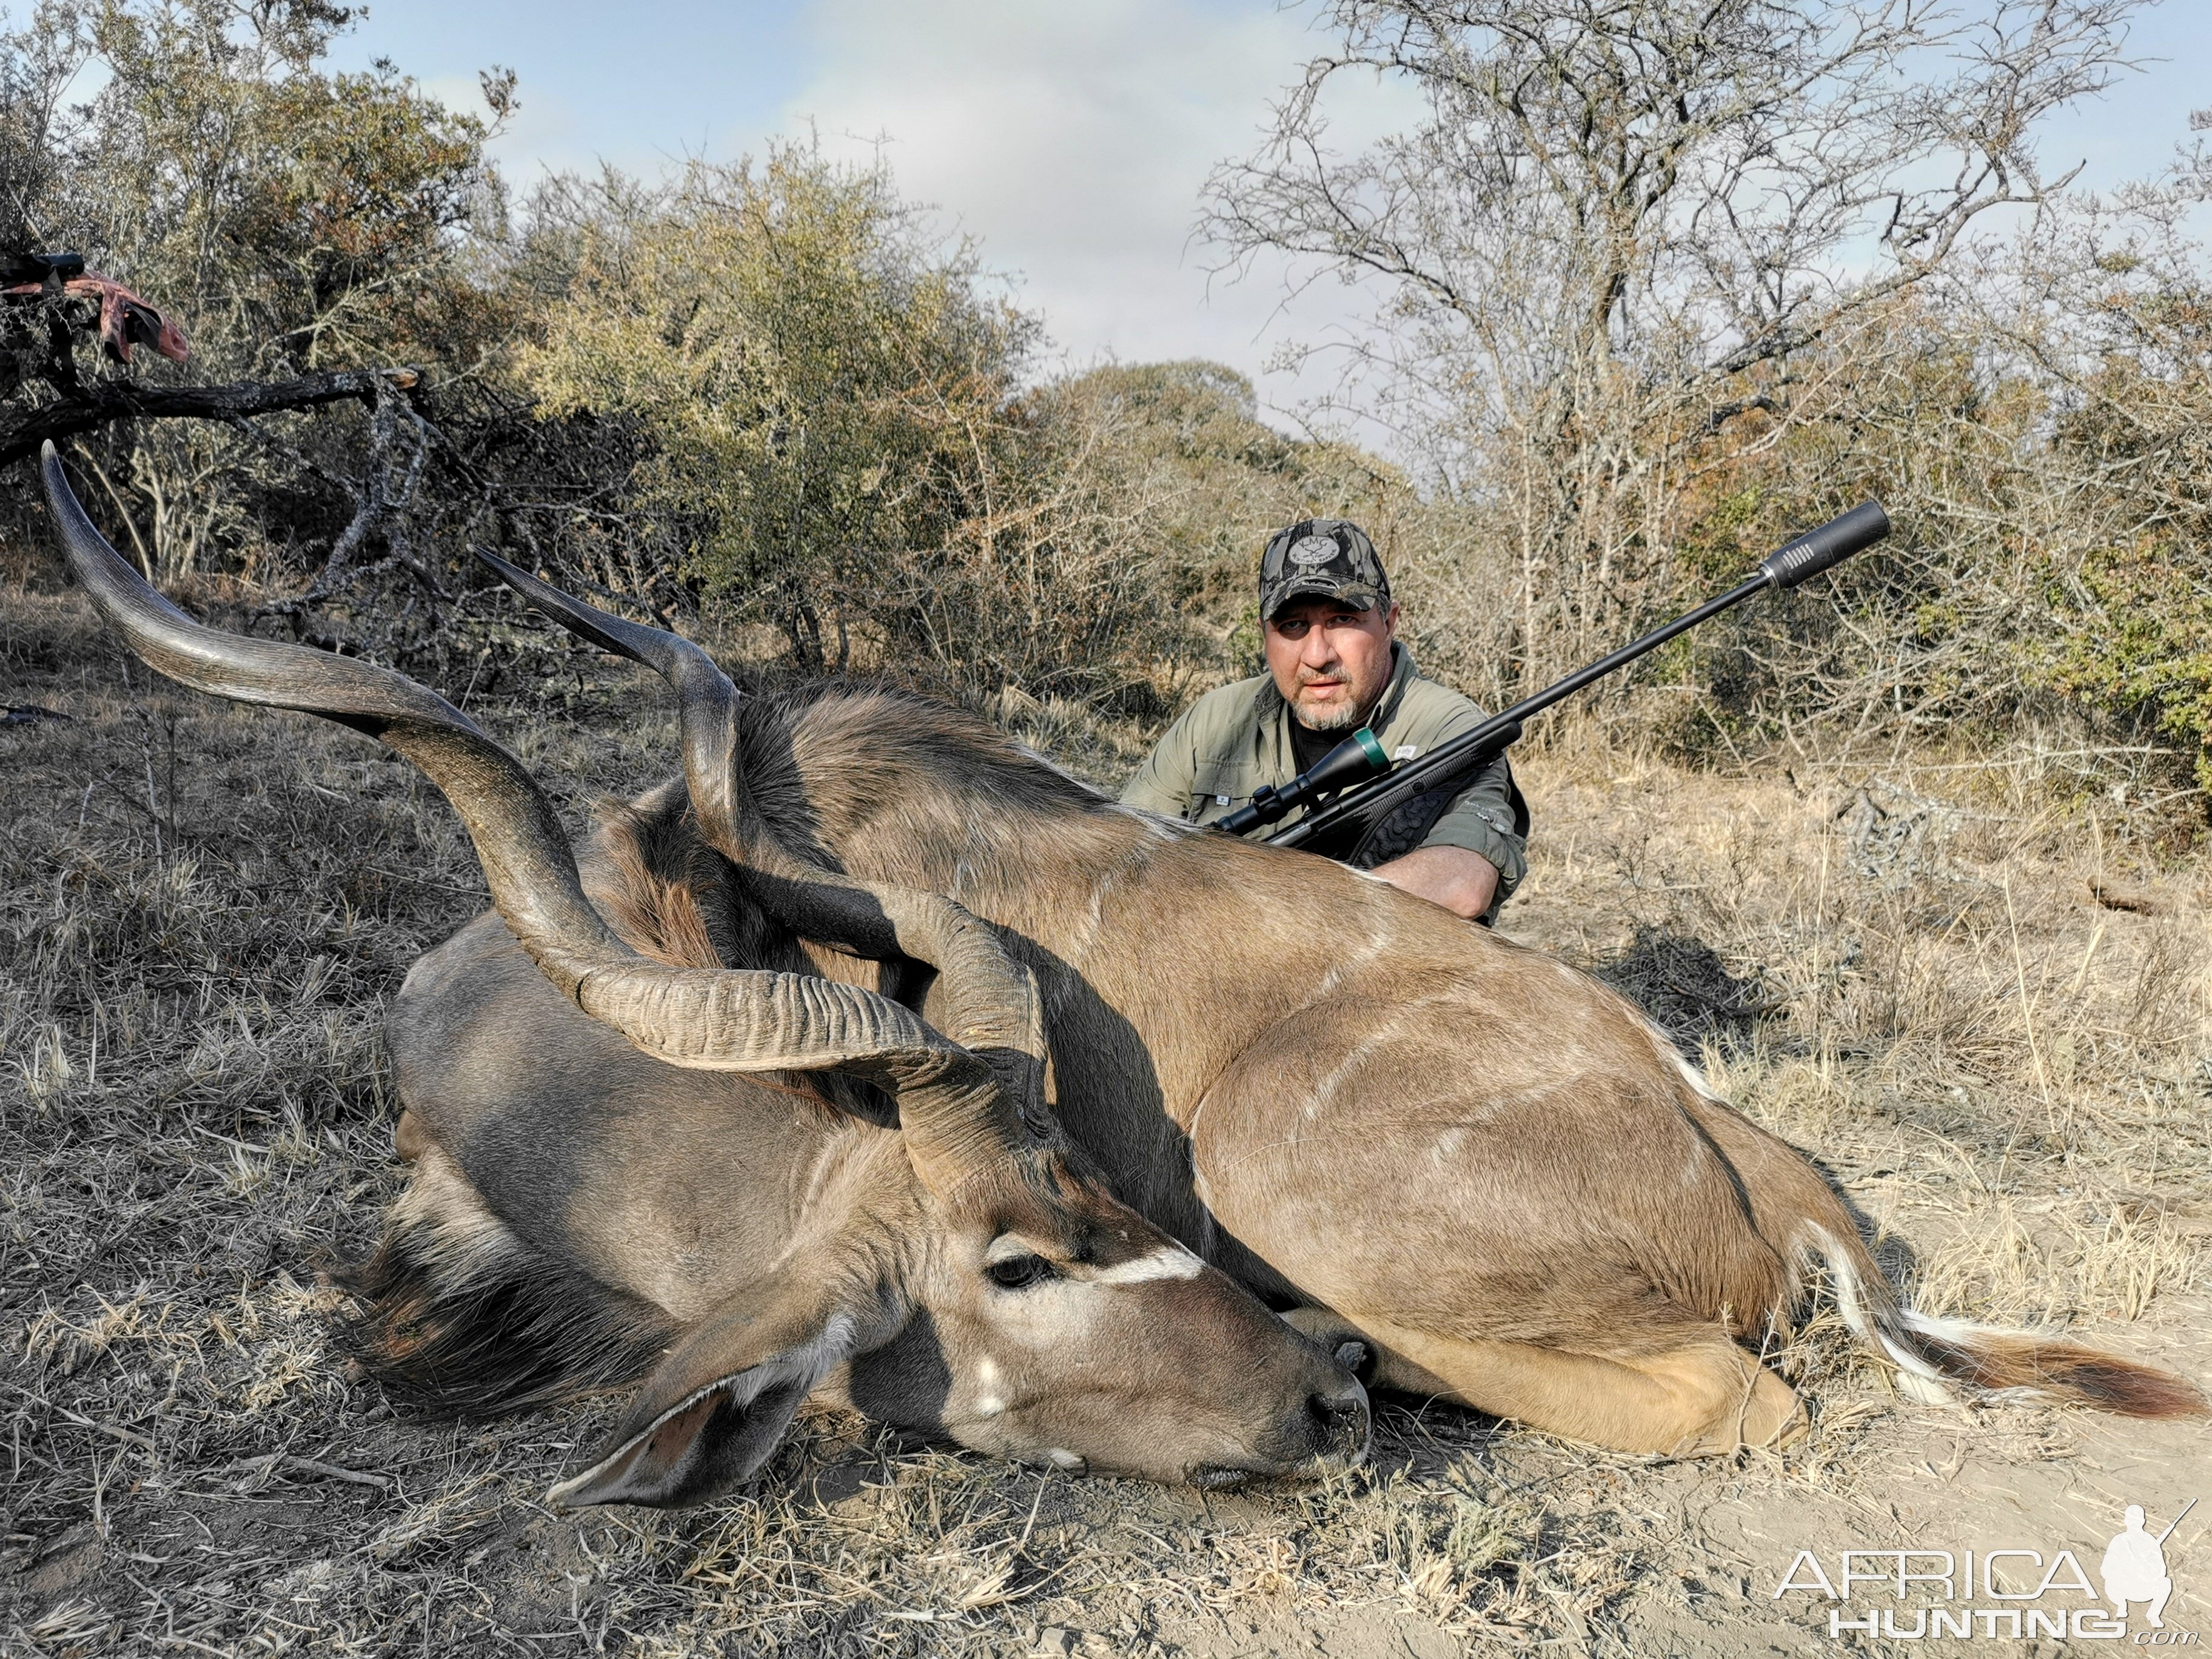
(759, 397)
(1656, 299)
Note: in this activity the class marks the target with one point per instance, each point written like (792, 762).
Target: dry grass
(202, 910)
(1996, 1008)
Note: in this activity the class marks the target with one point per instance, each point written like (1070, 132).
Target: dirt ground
(1982, 998)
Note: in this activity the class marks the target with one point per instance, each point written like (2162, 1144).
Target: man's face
(1330, 662)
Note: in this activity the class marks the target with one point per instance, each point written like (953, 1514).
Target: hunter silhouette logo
(2134, 1567)
(1999, 1595)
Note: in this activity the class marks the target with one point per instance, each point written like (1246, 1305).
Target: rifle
(1386, 787)
(2176, 1521)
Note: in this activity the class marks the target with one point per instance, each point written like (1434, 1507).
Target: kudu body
(1489, 1168)
(819, 1190)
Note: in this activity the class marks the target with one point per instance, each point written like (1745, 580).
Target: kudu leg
(1700, 1399)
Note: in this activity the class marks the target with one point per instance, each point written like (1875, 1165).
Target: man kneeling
(1334, 664)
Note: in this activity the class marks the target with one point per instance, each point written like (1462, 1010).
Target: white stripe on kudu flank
(1693, 1075)
(1172, 1262)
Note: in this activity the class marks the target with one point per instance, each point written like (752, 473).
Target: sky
(1071, 138)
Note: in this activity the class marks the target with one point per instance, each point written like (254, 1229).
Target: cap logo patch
(1310, 551)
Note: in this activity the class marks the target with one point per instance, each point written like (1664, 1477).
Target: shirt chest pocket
(1220, 786)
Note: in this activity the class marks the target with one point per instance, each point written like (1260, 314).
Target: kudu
(1485, 1168)
(1493, 1173)
(817, 1190)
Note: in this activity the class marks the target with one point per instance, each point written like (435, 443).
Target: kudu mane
(515, 1328)
(833, 767)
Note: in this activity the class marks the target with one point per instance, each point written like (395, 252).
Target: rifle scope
(1361, 757)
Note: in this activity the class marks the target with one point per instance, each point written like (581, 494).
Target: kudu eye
(1019, 1273)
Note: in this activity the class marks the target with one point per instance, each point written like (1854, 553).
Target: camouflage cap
(1324, 558)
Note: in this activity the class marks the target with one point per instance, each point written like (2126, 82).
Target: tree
(1621, 225)
(822, 384)
(827, 424)
(318, 236)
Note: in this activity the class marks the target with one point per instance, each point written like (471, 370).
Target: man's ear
(714, 1409)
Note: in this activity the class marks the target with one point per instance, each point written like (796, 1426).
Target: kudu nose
(1338, 1422)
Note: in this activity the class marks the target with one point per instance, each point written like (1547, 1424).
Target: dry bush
(837, 438)
(1608, 229)
(822, 384)
(1663, 284)
(291, 219)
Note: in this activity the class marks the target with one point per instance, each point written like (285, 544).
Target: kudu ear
(716, 1408)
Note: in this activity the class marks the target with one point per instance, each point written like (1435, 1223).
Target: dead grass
(1967, 1033)
(1986, 1006)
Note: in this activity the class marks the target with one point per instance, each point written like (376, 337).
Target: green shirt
(1232, 742)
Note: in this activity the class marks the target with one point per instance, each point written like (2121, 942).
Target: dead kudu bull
(1494, 1174)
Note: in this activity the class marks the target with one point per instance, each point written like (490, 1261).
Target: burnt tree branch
(101, 403)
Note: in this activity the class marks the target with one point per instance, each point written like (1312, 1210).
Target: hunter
(1334, 664)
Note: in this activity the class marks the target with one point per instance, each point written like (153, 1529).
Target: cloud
(1074, 142)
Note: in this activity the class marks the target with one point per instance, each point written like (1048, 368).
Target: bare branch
(102, 403)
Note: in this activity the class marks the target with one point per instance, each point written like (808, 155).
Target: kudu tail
(1799, 1217)
(1932, 1355)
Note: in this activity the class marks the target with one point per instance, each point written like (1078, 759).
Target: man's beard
(1342, 718)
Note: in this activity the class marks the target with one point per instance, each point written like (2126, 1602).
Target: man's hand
(1463, 882)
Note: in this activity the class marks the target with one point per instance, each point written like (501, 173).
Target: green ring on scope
(1371, 746)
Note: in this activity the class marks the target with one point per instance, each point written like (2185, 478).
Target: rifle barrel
(1395, 786)
(2176, 1521)
(1808, 555)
